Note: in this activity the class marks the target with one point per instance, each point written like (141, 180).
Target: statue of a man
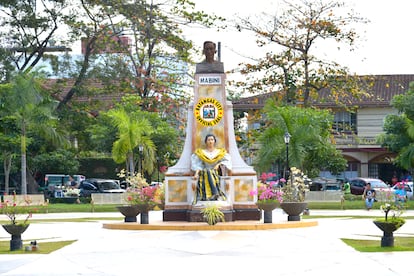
(209, 50)
(209, 65)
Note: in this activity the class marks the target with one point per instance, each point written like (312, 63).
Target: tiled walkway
(315, 250)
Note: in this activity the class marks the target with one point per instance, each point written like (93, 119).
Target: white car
(408, 188)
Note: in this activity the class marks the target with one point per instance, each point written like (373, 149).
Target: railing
(323, 196)
(353, 140)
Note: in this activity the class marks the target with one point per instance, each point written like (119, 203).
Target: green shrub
(212, 214)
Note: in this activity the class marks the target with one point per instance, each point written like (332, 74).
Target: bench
(108, 198)
(22, 200)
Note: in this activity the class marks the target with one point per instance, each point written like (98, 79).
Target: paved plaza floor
(316, 250)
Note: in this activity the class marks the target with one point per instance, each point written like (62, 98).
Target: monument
(210, 115)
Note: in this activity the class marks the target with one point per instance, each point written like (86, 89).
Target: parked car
(358, 184)
(408, 188)
(325, 184)
(97, 185)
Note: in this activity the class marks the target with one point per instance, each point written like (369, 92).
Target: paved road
(301, 251)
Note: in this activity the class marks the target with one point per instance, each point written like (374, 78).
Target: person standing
(400, 194)
(369, 196)
(346, 188)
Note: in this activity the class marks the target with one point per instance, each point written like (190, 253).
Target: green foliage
(212, 214)
(99, 167)
(400, 244)
(30, 107)
(60, 161)
(310, 147)
(30, 27)
(399, 129)
(132, 133)
(43, 247)
(397, 221)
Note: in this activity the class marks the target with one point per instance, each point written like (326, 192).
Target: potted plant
(14, 210)
(293, 194)
(389, 224)
(268, 198)
(141, 196)
(212, 214)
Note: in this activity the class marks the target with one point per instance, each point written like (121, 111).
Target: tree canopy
(399, 129)
(291, 67)
(310, 146)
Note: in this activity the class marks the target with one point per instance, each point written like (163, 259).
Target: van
(55, 182)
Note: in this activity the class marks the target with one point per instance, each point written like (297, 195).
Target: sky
(386, 46)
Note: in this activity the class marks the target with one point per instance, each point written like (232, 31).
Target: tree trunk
(23, 166)
(7, 167)
(131, 163)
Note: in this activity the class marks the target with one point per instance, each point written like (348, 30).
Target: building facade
(355, 132)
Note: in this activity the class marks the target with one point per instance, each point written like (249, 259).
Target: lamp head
(287, 138)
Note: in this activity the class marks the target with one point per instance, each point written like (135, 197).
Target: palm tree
(309, 148)
(132, 133)
(32, 111)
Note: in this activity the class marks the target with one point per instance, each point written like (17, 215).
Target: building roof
(382, 89)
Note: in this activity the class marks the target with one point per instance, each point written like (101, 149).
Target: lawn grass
(400, 244)
(43, 247)
(348, 205)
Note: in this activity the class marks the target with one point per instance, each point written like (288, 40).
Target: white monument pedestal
(210, 113)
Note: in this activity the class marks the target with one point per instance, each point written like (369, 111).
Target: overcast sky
(386, 47)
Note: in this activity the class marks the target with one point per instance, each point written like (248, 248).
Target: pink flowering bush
(140, 193)
(264, 176)
(144, 195)
(267, 193)
(13, 210)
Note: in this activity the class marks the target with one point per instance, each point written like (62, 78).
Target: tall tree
(131, 134)
(291, 68)
(9, 134)
(151, 63)
(32, 110)
(140, 46)
(29, 30)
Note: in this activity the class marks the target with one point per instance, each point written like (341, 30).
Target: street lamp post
(141, 150)
(287, 140)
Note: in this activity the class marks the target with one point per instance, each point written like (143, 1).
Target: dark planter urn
(144, 210)
(130, 212)
(16, 231)
(267, 208)
(293, 209)
(388, 229)
(144, 218)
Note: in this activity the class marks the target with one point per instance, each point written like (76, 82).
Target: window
(344, 122)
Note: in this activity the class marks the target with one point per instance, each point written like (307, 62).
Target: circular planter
(130, 212)
(388, 229)
(293, 209)
(16, 231)
(267, 208)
